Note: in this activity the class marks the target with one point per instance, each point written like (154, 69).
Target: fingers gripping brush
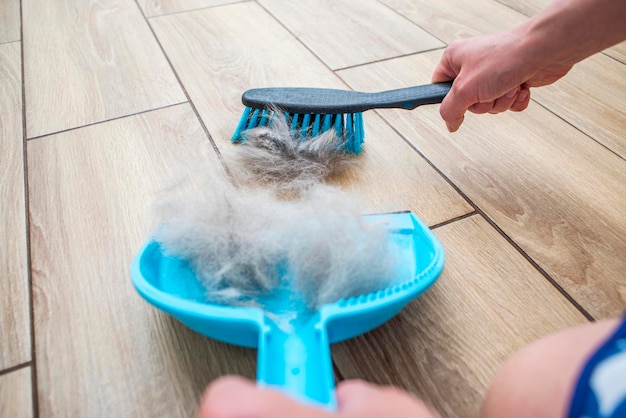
(312, 111)
(294, 342)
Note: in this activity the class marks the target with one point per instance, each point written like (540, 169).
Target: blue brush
(312, 111)
(294, 357)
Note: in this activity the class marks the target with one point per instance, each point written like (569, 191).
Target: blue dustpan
(294, 353)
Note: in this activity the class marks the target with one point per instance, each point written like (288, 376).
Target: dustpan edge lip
(177, 306)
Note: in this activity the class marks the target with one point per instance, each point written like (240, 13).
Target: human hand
(492, 74)
(235, 397)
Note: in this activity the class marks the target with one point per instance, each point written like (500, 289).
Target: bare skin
(234, 397)
(494, 73)
(536, 382)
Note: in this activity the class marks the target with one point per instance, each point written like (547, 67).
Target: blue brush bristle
(348, 126)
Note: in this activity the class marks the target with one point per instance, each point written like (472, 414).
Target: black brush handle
(322, 101)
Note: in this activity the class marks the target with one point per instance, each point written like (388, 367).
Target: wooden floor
(102, 102)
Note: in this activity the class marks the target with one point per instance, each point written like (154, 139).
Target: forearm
(568, 31)
(494, 73)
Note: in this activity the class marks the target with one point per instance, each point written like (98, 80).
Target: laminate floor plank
(152, 8)
(87, 62)
(344, 34)
(446, 346)
(618, 52)
(101, 349)
(16, 394)
(592, 97)
(558, 194)
(219, 53)
(9, 21)
(390, 176)
(449, 20)
(527, 7)
(14, 292)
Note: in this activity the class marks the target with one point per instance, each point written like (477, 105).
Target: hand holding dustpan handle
(297, 363)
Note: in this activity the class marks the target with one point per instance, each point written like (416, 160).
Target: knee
(539, 379)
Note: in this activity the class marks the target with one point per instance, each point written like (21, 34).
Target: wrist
(544, 43)
(568, 31)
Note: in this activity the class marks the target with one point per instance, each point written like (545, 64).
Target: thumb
(443, 72)
(235, 397)
(454, 106)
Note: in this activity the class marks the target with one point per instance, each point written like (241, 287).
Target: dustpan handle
(298, 363)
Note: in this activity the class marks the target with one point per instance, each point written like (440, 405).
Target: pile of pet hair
(276, 156)
(244, 241)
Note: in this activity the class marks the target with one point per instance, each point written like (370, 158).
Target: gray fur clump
(245, 243)
(291, 246)
(276, 155)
